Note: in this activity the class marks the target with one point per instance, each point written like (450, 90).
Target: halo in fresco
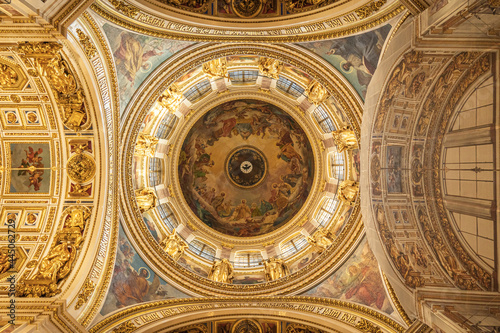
(275, 172)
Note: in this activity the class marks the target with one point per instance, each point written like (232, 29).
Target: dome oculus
(245, 168)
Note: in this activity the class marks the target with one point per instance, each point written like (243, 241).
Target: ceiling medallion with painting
(267, 174)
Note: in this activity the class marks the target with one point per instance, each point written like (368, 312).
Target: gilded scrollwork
(221, 271)
(125, 8)
(370, 8)
(88, 46)
(84, 295)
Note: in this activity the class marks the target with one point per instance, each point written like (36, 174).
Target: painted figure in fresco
(33, 164)
(134, 288)
(130, 56)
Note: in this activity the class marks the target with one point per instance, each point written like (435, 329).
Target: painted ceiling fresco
(357, 280)
(136, 56)
(134, 281)
(356, 57)
(246, 168)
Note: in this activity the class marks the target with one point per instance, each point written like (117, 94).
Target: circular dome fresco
(246, 168)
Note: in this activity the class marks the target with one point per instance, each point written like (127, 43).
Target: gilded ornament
(216, 68)
(15, 98)
(81, 168)
(8, 76)
(365, 326)
(126, 327)
(246, 326)
(275, 269)
(57, 72)
(221, 271)
(247, 8)
(368, 9)
(127, 9)
(146, 199)
(57, 264)
(321, 239)
(171, 98)
(348, 192)
(270, 67)
(83, 297)
(174, 245)
(79, 190)
(146, 145)
(316, 93)
(299, 5)
(345, 139)
(88, 46)
(5, 260)
(39, 49)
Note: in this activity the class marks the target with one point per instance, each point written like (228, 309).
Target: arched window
(247, 259)
(202, 249)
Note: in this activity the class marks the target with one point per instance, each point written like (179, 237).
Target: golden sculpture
(81, 168)
(80, 190)
(216, 68)
(5, 262)
(270, 67)
(316, 93)
(275, 269)
(145, 145)
(321, 239)
(171, 98)
(57, 264)
(8, 76)
(174, 246)
(74, 115)
(56, 70)
(146, 199)
(345, 139)
(221, 271)
(74, 226)
(348, 191)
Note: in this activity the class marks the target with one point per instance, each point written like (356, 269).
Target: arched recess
(66, 127)
(403, 201)
(324, 314)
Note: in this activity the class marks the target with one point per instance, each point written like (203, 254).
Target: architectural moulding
(170, 27)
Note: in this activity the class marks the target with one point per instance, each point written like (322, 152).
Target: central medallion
(246, 167)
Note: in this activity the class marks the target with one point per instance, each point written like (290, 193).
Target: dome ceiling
(245, 168)
(233, 160)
